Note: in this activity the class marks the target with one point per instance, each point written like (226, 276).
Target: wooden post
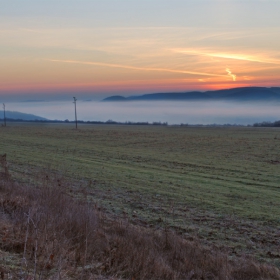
(4, 108)
(75, 101)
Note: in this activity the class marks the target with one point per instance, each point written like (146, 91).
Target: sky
(53, 50)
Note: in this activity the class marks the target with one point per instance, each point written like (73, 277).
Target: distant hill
(172, 96)
(115, 98)
(234, 94)
(248, 94)
(21, 116)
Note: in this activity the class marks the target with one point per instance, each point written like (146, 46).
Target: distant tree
(267, 124)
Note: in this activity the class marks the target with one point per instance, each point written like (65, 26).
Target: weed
(60, 237)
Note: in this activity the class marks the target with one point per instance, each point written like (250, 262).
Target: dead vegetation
(4, 174)
(52, 235)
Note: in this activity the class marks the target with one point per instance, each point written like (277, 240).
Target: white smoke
(233, 76)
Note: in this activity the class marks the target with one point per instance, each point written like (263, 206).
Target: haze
(195, 112)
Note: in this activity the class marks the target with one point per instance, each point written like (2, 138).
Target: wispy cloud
(233, 76)
(236, 56)
(136, 67)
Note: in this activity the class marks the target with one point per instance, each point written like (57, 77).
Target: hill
(115, 98)
(196, 95)
(234, 94)
(248, 94)
(21, 116)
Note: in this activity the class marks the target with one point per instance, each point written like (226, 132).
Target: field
(220, 185)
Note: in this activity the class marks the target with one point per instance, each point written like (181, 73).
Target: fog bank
(174, 112)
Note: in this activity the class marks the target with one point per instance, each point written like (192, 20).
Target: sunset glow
(99, 49)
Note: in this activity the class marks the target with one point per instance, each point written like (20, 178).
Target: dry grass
(4, 174)
(56, 236)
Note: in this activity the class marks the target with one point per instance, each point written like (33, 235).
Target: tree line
(267, 124)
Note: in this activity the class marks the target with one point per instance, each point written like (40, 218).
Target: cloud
(112, 65)
(233, 76)
(236, 56)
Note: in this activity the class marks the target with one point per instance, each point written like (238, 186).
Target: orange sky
(99, 49)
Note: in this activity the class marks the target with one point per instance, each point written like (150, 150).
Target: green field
(221, 185)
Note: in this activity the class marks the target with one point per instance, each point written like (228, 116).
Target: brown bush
(60, 237)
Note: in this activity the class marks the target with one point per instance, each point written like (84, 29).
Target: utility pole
(4, 108)
(75, 101)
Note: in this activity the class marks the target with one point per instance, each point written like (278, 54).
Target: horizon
(53, 51)
(69, 97)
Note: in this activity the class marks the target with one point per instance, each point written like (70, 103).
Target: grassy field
(221, 185)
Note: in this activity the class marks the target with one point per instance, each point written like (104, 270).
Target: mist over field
(191, 112)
